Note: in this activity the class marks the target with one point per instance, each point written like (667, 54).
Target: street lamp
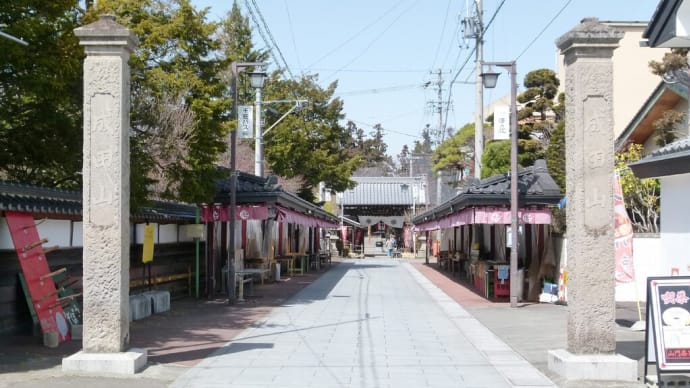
(489, 80)
(256, 79)
(236, 68)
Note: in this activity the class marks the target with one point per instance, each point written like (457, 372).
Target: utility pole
(441, 130)
(479, 110)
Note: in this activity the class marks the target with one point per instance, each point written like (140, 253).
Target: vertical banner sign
(245, 121)
(669, 322)
(623, 236)
(502, 122)
(147, 257)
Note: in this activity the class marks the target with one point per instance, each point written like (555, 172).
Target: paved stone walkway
(366, 323)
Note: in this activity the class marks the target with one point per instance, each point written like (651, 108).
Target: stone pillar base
(123, 363)
(612, 367)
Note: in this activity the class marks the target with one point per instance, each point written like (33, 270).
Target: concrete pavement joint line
(519, 373)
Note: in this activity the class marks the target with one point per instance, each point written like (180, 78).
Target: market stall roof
(670, 160)
(67, 204)
(254, 190)
(489, 200)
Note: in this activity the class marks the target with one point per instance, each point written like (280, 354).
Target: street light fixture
(236, 68)
(489, 80)
(256, 80)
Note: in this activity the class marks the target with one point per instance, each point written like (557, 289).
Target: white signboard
(245, 121)
(502, 123)
(668, 318)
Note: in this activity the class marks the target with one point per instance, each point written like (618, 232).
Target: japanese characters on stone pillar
(588, 49)
(106, 184)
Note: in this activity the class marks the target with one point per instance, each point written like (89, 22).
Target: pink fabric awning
(221, 213)
(292, 217)
(486, 215)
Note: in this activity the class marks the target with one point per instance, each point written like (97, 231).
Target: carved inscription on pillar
(102, 171)
(597, 171)
(102, 142)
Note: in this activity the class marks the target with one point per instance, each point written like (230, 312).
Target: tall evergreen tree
(41, 93)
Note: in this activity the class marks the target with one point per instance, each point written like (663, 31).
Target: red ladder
(39, 278)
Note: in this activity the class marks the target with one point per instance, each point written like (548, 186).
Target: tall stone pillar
(588, 50)
(106, 226)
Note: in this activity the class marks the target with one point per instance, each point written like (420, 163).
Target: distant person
(390, 244)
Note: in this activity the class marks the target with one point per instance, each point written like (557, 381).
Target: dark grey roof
(36, 199)
(669, 160)
(535, 188)
(252, 189)
(59, 203)
(661, 31)
(383, 191)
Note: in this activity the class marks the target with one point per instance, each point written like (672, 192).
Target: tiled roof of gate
(382, 191)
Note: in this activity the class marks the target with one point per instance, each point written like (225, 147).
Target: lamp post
(236, 68)
(489, 80)
(257, 79)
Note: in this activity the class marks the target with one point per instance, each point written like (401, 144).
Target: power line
(440, 40)
(371, 70)
(373, 41)
(385, 129)
(271, 42)
(381, 90)
(358, 33)
(544, 29)
(292, 33)
(457, 74)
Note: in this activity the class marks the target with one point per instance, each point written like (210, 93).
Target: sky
(389, 56)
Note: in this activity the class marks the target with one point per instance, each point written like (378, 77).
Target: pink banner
(623, 236)
(487, 215)
(221, 213)
(213, 213)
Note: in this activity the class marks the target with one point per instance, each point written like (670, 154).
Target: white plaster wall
(78, 234)
(5, 238)
(167, 233)
(139, 234)
(184, 234)
(56, 231)
(633, 82)
(647, 261)
(675, 224)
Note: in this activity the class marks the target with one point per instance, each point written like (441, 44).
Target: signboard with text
(668, 322)
(245, 121)
(502, 123)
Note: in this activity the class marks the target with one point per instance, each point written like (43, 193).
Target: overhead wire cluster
(529, 45)
(395, 11)
(267, 37)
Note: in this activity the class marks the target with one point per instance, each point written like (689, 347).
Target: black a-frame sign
(667, 336)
